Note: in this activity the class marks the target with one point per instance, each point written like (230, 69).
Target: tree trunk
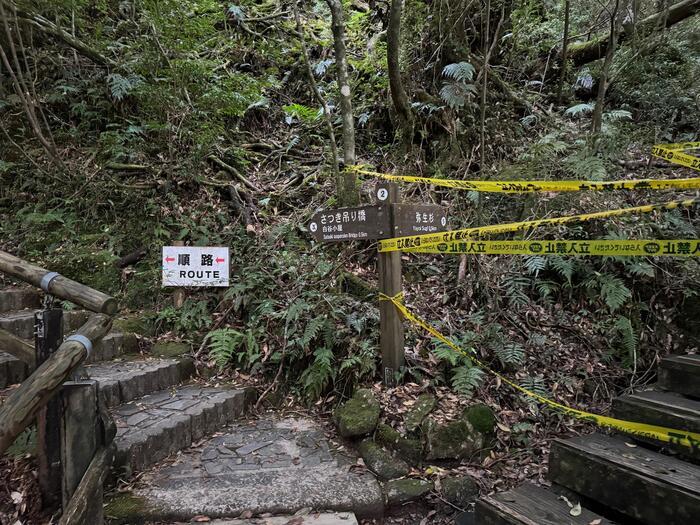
(347, 194)
(319, 99)
(596, 48)
(398, 93)
(564, 50)
(605, 73)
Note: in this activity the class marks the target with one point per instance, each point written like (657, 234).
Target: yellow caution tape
(613, 248)
(666, 435)
(674, 153)
(530, 186)
(421, 241)
(675, 146)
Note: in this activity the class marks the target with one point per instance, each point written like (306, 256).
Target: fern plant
(510, 354)
(535, 385)
(122, 86)
(466, 379)
(223, 345)
(457, 90)
(626, 338)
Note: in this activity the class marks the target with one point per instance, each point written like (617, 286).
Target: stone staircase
(615, 478)
(161, 412)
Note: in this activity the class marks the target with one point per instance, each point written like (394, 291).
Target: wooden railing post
(48, 325)
(80, 436)
(391, 334)
(21, 406)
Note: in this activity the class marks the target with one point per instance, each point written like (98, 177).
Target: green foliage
(227, 345)
(193, 316)
(121, 86)
(302, 113)
(626, 338)
(466, 379)
(579, 110)
(613, 290)
(535, 385)
(510, 354)
(457, 91)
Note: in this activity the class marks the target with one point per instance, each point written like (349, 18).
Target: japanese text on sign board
(195, 266)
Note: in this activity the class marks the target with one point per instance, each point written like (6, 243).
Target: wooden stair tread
(644, 485)
(659, 408)
(530, 504)
(681, 374)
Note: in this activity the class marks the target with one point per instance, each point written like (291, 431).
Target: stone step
(665, 409)
(125, 380)
(680, 374)
(643, 485)
(18, 298)
(22, 323)
(12, 370)
(270, 465)
(113, 345)
(153, 427)
(529, 504)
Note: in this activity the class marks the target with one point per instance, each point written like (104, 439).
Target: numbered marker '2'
(382, 194)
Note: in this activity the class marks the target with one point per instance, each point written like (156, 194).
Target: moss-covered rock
(359, 416)
(126, 508)
(401, 491)
(381, 462)
(481, 418)
(460, 491)
(455, 440)
(137, 323)
(351, 284)
(170, 349)
(415, 416)
(410, 450)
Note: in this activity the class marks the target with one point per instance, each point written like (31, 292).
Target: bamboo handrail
(58, 285)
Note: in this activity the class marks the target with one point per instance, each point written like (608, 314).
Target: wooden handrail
(20, 408)
(59, 286)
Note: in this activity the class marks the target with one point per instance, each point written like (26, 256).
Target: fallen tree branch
(583, 52)
(47, 27)
(234, 172)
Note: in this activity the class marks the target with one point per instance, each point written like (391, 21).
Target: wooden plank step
(665, 409)
(644, 485)
(680, 374)
(529, 504)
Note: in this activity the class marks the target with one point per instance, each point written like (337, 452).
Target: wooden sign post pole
(178, 293)
(391, 334)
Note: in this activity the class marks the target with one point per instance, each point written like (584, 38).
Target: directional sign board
(195, 266)
(413, 219)
(360, 223)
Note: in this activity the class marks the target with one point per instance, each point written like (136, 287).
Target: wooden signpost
(388, 218)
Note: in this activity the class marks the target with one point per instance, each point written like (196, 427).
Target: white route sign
(195, 266)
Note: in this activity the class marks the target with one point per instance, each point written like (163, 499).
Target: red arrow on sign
(169, 259)
(220, 260)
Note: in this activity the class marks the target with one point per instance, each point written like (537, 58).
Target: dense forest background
(127, 125)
